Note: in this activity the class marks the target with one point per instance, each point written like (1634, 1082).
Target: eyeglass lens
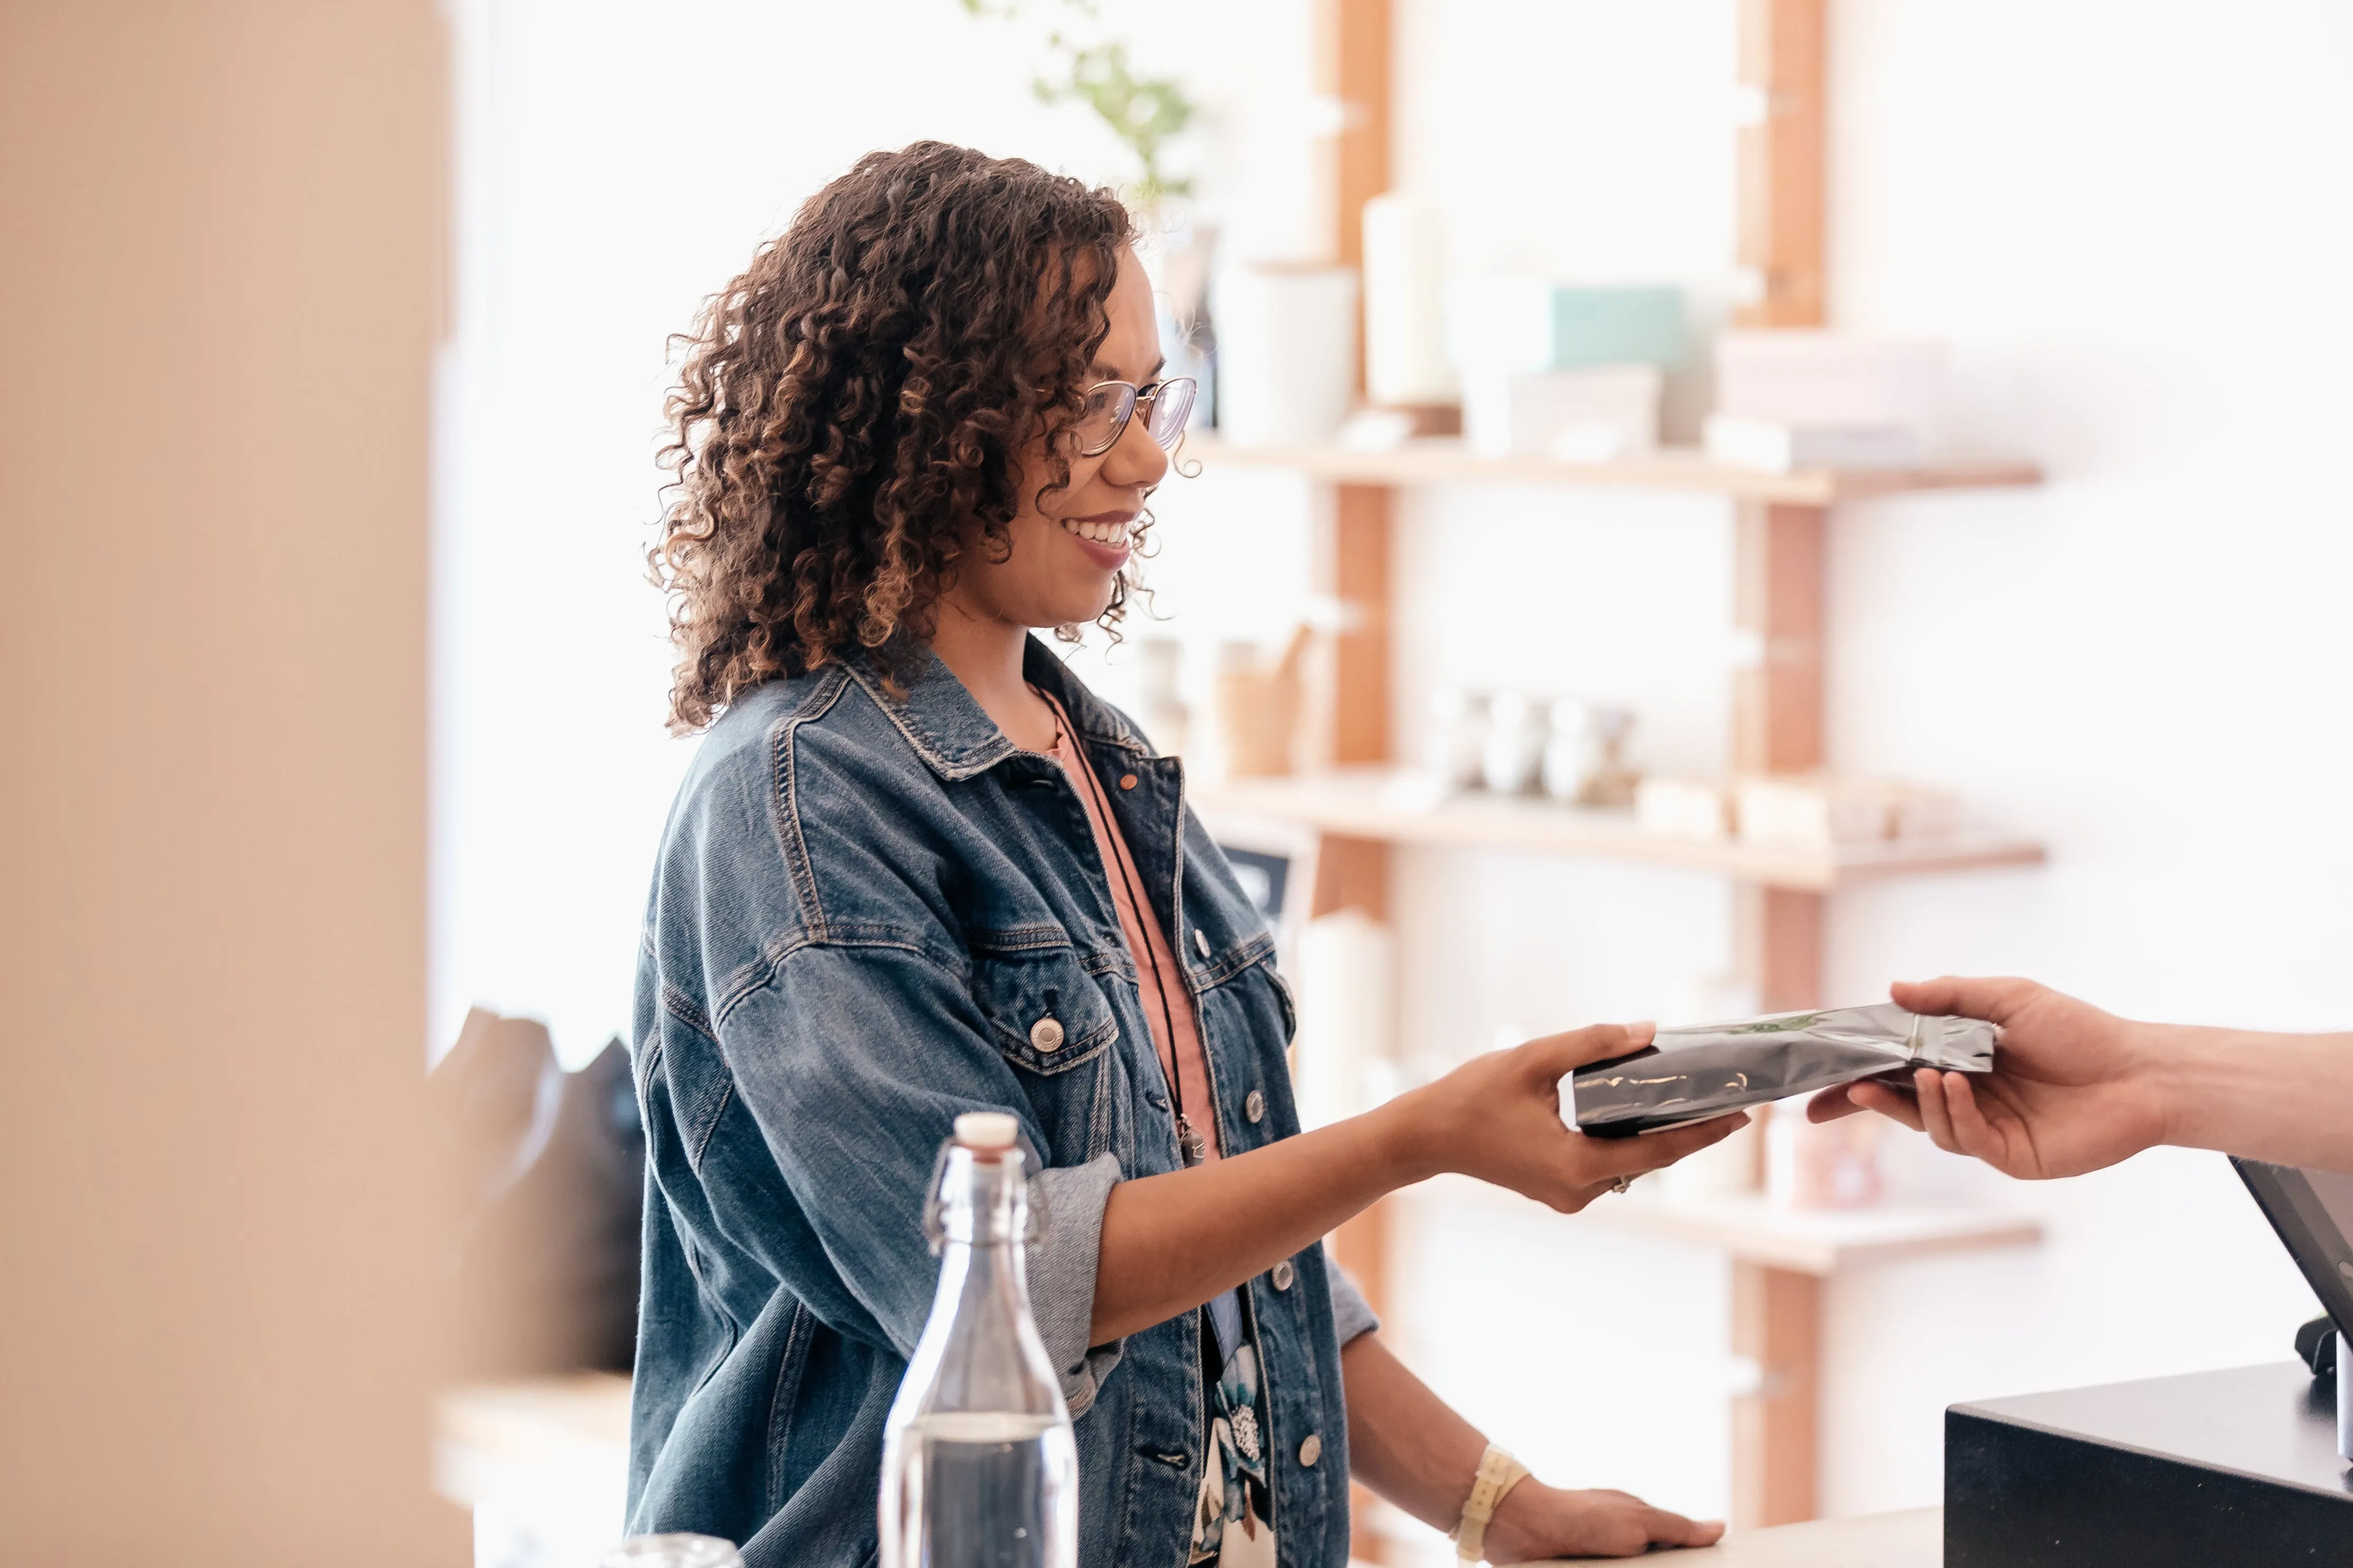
(1109, 405)
(1171, 407)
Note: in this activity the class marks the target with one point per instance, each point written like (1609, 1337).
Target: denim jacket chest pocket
(1051, 1019)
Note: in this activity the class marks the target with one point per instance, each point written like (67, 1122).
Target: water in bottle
(978, 1466)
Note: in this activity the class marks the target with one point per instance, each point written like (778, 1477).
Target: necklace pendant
(1189, 1144)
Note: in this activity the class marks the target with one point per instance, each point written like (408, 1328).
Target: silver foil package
(1689, 1074)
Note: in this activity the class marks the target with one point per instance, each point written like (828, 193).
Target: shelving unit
(1750, 1229)
(1379, 804)
(1435, 460)
(1778, 720)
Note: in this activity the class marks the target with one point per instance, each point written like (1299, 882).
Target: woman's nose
(1136, 459)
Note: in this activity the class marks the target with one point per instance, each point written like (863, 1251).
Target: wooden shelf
(1434, 460)
(573, 1428)
(1377, 804)
(1750, 1229)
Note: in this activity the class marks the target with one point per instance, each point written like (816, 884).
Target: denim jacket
(864, 906)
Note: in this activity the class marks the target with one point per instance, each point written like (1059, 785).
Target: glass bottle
(979, 1469)
(672, 1552)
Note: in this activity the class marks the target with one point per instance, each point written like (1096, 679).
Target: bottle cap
(987, 1129)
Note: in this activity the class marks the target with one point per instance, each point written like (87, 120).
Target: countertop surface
(560, 1446)
(2267, 1422)
(1912, 1539)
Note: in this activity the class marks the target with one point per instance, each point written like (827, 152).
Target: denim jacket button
(1128, 781)
(1254, 1106)
(1046, 1034)
(1284, 1275)
(1311, 1450)
(1201, 941)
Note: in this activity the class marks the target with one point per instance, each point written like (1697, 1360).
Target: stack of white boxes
(1559, 371)
(1799, 811)
(1789, 400)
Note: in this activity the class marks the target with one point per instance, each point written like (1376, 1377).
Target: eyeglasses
(1109, 405)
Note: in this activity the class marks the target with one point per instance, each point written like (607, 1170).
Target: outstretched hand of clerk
(2070, 1092)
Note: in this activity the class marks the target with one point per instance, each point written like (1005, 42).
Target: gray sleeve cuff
(1350, 1312)
(1068, 1205)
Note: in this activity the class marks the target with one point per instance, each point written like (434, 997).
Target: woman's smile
(1104, 536)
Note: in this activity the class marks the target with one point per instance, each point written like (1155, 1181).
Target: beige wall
(218, 304)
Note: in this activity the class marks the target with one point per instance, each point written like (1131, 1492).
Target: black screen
(2313, 1212)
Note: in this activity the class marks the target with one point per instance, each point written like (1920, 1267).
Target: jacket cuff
(1068, 1203)
(1351, 1314)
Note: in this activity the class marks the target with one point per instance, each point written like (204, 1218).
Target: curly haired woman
(917, 870)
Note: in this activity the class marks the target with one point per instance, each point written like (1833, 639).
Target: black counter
(2214, 1469)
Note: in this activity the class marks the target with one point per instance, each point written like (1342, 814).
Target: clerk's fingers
(1995, 999)
(1975, 1134)
(1831, 1104)
(1888, 1100)
(1549, 1056)
(1935, 1117)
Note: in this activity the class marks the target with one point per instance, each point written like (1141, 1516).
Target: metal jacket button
(1201, 941)
(1311, 1450)
(1284, 1275)
(1128, 781)
(1254, 1106)
(1046, 1034)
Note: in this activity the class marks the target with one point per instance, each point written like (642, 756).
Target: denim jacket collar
(954, 736)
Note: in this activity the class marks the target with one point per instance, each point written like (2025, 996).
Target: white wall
(2129, 224)
(618, 163)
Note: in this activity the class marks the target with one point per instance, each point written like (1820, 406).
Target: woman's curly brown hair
(850, 411)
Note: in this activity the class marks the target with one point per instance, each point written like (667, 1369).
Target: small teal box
(1616, 326)
(1507, 325)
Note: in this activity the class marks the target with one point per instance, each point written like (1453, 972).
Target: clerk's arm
(2075, 1089)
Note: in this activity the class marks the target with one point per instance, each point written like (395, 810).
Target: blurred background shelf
(1377, 804)
(1437, 458)
(1749, 1228)
(543, 1463)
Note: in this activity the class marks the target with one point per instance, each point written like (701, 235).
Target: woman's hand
(1497, 1117)
(1172, 1241)
(2069, 1092)
(1409, 1446)
(1536, 1521)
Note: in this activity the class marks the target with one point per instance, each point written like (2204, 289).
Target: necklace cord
(1129, 879)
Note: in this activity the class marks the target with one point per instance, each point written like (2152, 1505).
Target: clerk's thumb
(1553, 1055)
(1969, 997)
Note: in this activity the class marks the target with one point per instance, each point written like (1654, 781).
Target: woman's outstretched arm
(1172, 1242)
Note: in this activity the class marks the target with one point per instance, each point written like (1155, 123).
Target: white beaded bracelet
(1498, 1474)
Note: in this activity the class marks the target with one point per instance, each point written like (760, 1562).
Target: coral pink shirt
(1175, 1034)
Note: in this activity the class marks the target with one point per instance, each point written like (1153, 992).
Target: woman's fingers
(1675, 1530)
(1651, 1150)
(1550, 1056)
(1598, 1164)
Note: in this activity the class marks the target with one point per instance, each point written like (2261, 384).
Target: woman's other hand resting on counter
(2075, 1089)
(1410, 1446)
